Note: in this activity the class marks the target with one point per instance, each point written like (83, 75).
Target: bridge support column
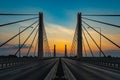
(54, 50)
(40, 36)
(79, 35)
(65, 50)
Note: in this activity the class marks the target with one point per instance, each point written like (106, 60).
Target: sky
(60, 19)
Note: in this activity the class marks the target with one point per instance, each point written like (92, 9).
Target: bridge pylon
(54, 50)
(79, 35)
(40, 36)
(65, 50)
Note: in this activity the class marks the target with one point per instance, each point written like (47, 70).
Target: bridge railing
(103, 61)
(10, 62)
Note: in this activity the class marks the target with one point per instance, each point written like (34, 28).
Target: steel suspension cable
(46, 42)
(102, 22)
(36, 47)
(111, 15)
(88, 44)
(26, 39)
(18, 21)
(102, 34)
(84, 49)
(10, 14)
(32, 43)
(94, 41)
(18, 34)
(73, 41)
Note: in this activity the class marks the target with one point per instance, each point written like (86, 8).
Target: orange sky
(61, 35)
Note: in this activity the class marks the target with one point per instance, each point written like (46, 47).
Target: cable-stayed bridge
(37, 62)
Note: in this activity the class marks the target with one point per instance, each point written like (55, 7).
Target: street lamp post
(100, 39)
(20, 41)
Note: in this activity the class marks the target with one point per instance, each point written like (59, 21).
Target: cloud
(114, 53)
(14, 46)
(59, 35)
(58, 29)
(17, 46)
(6, 46)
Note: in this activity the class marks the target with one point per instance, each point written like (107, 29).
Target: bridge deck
(64, 69)
(85, 71)
(33, 71)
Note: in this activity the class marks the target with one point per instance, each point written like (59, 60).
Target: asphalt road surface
(39, 70)
(85, 71)
(33, 71)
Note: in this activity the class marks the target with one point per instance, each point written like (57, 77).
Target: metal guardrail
(111, 62)
(67, 72)
(51, 75)
(10, 62)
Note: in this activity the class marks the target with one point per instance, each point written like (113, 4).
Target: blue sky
(61, 12)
